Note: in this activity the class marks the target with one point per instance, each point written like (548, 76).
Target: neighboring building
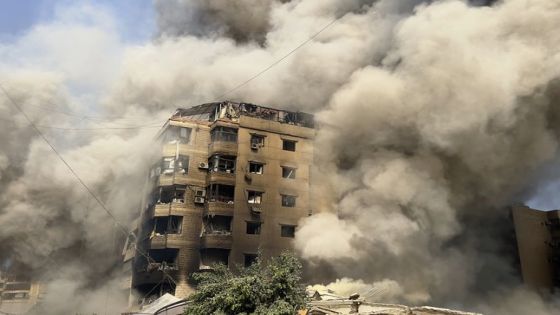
(18, 294)
(538, 242)
(232, 180)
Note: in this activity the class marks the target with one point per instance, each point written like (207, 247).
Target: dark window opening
(250, 259)
(288, 145)
(288, 201)
(150, 292)
(254, 197)
(254, 228)
(168, 225)
(222, 163)
(221, 193)
(17, 286)
(223, 134)
(288, 231)
(257, 141)
(176, 133)
(256, 168)
(218, 224)
(288, 172)
(212, 256)
(15, 296)
(170, 165)
(163, 259)
(170, 194)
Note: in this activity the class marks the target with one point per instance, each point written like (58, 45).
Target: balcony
(216, 239)
(223, 147)
(222, 177)
(220, 208)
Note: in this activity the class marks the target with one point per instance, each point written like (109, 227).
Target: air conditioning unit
(203, 165)
(200, 193)
(198, 199)
(256, 209)
(255, 146)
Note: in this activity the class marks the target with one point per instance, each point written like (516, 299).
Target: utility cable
(77, 177)
(272, 65)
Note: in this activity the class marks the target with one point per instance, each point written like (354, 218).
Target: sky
(135, 17)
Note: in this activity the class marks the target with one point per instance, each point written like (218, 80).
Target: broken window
(218, 224)
(211, 256)
(288, 172)
(175, 193)
(168, 225)
(176, 133)
(221, 193)
(256, 168)
(288, 231)
(250, 259)
(222, 163)
(223, 134)
(253, 228)
(254, 197)
(171, 164)
(163, 259)
(257, 141)
(288, 201)
(288, 145)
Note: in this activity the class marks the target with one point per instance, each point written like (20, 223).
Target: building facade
(18, 294)
(538, 242)
(232, 180)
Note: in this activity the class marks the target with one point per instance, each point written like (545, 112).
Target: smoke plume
(433, 116)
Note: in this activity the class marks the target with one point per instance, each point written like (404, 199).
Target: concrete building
(538, 241)
(18, 294)
(231, 179)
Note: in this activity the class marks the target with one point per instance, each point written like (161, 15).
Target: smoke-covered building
(18, 294)
(231, 179)
(538, 242)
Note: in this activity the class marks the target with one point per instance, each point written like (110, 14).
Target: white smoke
(433, 115)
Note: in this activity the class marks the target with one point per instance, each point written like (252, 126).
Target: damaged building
(232, 180)
(18, 293)
(538, 243)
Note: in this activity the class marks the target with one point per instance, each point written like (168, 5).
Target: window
(224, 134)
(288, 231)
(169, 194)
(221, 193)
(257, 141)
(256, 168)
(171, 164)
(168, 225)
(176, 133)
(288, 172)
(254, 197)
(250, 259)
(288, 201)
(221, 163)
(217, 224)
(254, 228)
(288, 145)
(163, 259)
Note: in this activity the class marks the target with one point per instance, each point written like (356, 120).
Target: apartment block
(231, 180)
(18, 294)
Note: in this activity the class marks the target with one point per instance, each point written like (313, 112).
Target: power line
(86, 187)
(280, 60)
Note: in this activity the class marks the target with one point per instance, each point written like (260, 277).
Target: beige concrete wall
(533, 238)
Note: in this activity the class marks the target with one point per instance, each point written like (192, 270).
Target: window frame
(288, 204)
(288, 141)
(251, 163)
(292, 233)
(291, 175)
(254, 224)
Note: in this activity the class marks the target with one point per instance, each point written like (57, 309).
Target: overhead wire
(73, 172)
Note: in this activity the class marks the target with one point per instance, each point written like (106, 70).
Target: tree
(271, 288)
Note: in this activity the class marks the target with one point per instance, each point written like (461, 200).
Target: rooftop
(233, 110)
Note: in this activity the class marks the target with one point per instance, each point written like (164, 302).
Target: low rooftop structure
(327, 303)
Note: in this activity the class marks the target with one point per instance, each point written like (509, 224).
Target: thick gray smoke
(433, 116)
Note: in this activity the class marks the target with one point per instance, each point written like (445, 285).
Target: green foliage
(271, 288)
